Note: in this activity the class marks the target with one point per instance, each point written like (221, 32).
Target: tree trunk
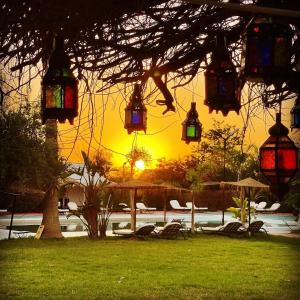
(50, 216)
(91, 216)
(50, 213)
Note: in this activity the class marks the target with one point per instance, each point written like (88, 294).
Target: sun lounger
(72, 206)
(273, 208)
(143, 207)
(170, 230)
(175, 205)
(230, 227)
(261, 205)
(254, 227)
(142, 232)
(190, 205)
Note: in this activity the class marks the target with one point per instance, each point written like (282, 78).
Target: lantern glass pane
(253, 51)
(297, 119)
(266, 48)
(287, 159)
(281, 50)
(226, 87)
(211, 87)
(50, 100)
(267, 160)
(69, 97)
(57, 91)
(191, 131)
(136, 117)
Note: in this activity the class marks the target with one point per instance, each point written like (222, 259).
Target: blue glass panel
(136, 118)
(266, 53)
(222, 87)
(297, 120)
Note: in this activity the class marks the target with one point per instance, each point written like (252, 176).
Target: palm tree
(50, 212)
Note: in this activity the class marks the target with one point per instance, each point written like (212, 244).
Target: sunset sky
(163, 136)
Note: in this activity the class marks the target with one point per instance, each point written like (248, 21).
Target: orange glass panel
(50, 100)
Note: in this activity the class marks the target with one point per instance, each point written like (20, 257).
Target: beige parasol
(250, 183)
(135, 185)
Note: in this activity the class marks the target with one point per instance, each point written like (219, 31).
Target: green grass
(202, 267)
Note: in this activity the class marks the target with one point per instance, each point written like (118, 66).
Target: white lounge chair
(62, 210)
(273, 208)
(143, 207)
(261, 205)
(175, 205)
(72, 206)
(190, 205)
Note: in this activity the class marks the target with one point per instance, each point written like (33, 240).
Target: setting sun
(140, 164)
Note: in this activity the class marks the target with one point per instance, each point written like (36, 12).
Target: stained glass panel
(287, 159)
(267, 160)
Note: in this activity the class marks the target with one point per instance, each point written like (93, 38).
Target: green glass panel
(67, 73)
(281, 53)
(57, 91)
(191, 131)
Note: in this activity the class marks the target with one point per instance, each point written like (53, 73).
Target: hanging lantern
(267, 51)
(191, 127)
(136, 112)
(221, 84)
(278, 158)
(295, 113)
(59, 87)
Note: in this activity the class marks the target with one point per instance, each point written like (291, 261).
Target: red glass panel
(267, 160)
(69, 97)
(287, 159)
(211, 87)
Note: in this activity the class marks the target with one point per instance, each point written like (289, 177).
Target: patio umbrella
(250, 183)
(134, 185)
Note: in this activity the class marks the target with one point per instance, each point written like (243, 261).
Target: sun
(140, 164)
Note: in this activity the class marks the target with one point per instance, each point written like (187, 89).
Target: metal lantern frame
(278, 158)
(59, 87)
(295, 113)
(191, 127)
(136, 112)
(222, 91)
(267, 51)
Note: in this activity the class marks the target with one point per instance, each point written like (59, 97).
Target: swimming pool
(274, 223)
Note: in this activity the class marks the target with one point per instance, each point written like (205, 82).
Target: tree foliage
(25, 159)
(221, 157)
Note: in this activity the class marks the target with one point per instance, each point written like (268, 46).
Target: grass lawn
(202, 267)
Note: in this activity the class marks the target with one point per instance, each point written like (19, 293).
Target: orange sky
(163, 137)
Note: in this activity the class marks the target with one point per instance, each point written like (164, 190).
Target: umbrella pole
(223, 204)
(134, 202)
(132, 208)
(249, 214)
(193, 213)
(165, 208)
